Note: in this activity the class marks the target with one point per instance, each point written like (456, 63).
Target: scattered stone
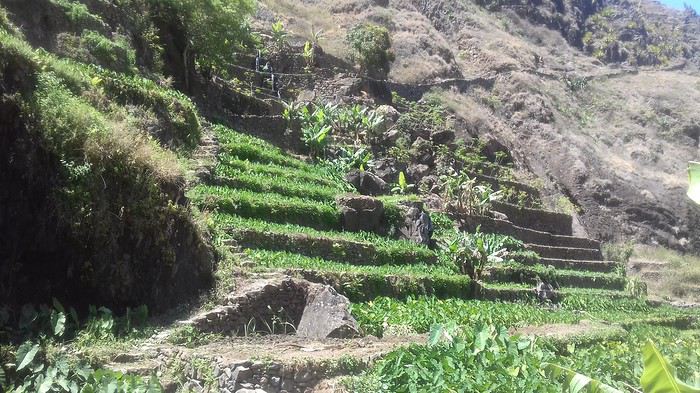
(360, 213)
(390, 137)
(390, 115)
(442, 137)
(416, 172)
(367, 183)
(422, 151)
(327, 315)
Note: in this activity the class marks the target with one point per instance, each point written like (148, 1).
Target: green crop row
(260, 182)
(246, 147)
(514, 272)
(281, 259)
(268, 206)
(319, 177)
(348, 247)
(420, 313)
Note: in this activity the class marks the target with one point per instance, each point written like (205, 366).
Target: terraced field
(279, 214)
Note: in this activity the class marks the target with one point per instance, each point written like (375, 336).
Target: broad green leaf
(58, 323)
(46, 384)
(659, 376)
(402, 180)
(26, 354)
(577, 382)
(694, 181)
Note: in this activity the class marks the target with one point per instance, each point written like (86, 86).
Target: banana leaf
(659, 376)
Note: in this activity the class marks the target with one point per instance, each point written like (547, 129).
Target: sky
(678, 4)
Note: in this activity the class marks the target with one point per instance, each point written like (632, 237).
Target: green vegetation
(419, 313)
(42, 362)
(214, 30)
(114, 53)
(78, 13)
(472, 253)
(371, 49)
(616, 36)
(273, 207)
(373, 249)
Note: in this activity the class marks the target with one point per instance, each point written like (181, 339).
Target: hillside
(347, 196)
(611, 133)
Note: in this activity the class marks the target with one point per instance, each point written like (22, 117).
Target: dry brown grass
(680, 279)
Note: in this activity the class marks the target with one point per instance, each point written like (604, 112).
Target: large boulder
(416, 172)
(367, 183)
(327, 315)
(417, 224)
(360, 213)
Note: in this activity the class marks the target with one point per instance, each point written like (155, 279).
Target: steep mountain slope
(569, 96)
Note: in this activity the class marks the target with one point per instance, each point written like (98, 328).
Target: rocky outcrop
(417, 225)
(326, 315)
(360, 213)
(367, 183)
(281, 305)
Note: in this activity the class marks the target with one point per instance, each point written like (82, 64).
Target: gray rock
(241, 374)
(418, 226)
(327, 316)
(390, 115)
(442, 137)
(367, 183)
(250, 391)
(390, 137)
(416, 172)
(422, 151)
(360, 213)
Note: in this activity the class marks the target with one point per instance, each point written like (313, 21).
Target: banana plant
(658, 376)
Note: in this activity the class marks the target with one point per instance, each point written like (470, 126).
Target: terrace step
(537, 219)
(498, 184)
(579, 265)
(361, 287)
(335, 249)
(563, 278)
(494, 225)
(586, 254)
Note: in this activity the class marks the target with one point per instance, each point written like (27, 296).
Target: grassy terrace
(352, 247)
(264, 182)
(420, 313)
(515, 272)
(272, 206)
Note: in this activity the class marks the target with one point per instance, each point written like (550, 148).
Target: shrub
(93, 47)
(214, 30)
(370, 45)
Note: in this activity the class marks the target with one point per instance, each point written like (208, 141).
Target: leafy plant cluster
(616, 36)
(214, 31)
(485, 359)
(114, 53)
(465, 195)
(38, 364)
(79, 14)
(371, 49)
(473, 252)
(319, 122)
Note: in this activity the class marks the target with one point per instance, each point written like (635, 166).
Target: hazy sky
(679, 3)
